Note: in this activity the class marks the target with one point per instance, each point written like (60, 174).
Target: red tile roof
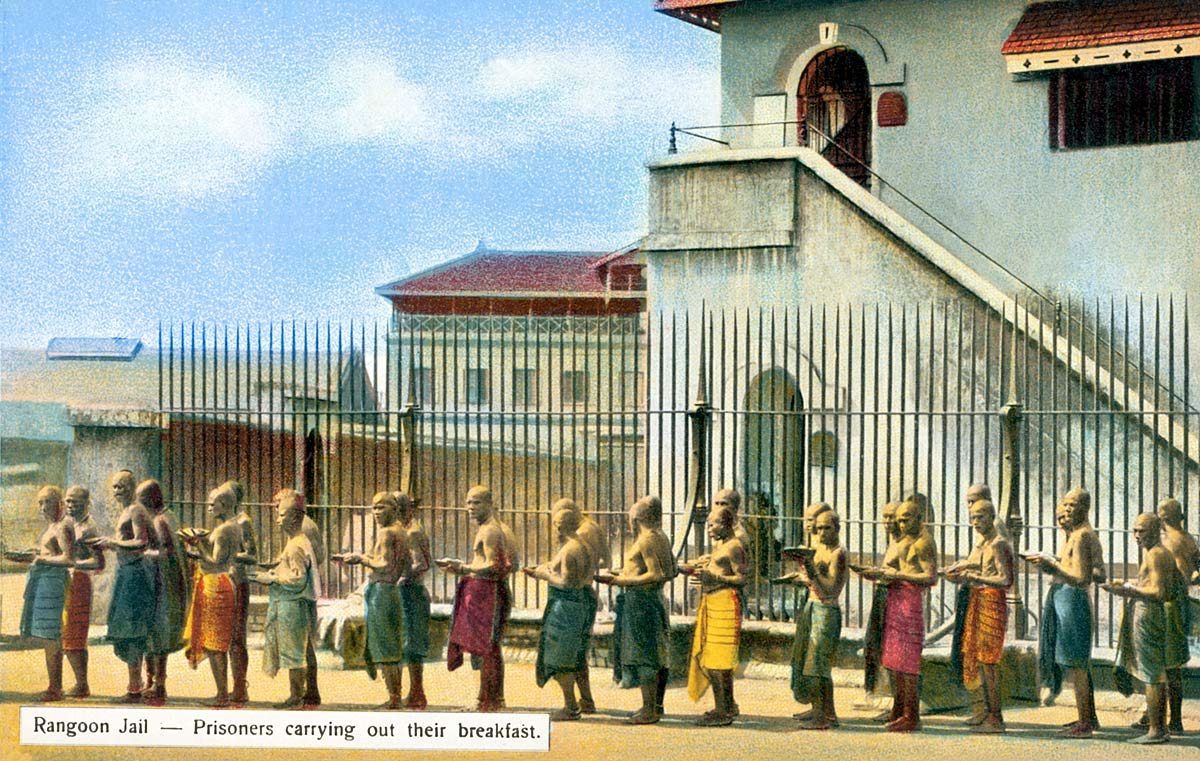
(511, 272)
(702, 13)
(1074, 24)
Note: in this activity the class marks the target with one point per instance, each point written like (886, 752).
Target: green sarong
(1178, 620)
(814, 649)
(171, 606)
(640, 636)
(128, 611)
(1141, 642)
(414, 600)
(384, 623)
(566, 627)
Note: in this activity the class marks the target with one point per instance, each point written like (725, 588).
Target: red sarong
(904, 628)
(983, 632)
(480, 615)
(77, 612)
(210, 621)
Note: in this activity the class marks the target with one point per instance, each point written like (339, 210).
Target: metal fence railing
(855, 405)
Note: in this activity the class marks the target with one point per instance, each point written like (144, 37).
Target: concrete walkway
(765, 729)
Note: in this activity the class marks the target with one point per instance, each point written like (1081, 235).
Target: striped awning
(1077, 33)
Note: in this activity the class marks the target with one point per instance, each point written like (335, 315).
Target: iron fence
(855, 405)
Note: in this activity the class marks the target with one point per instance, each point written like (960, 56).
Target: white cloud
(363, 97)
(587, 82)
(588, 93)
(165, 127)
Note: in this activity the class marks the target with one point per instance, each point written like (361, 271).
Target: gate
(855, 405)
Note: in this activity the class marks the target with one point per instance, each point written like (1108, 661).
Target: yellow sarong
(715, 643)
(209, 625)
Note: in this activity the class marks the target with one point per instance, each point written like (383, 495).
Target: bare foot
(415, 703)
(645, 717)
(904, 724)
(989, 727)
(1078, 731)
(817, 724)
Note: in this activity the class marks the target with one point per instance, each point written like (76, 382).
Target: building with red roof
(524, 283)
(500, 331)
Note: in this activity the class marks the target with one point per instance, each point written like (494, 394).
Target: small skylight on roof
(110, 349)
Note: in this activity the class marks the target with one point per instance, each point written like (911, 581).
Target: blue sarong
(640, 647)
(1065, 635)
(130, 610)
(290, 626)
(414, 601)
(45, 595)
(566, 629)
(1073, 641)
(384, 623)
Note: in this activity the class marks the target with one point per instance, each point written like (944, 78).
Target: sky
(248, 161)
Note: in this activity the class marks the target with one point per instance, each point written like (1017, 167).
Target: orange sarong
(983, 633)
(77, 612)
(210, 621)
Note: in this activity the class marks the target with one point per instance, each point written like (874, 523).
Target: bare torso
(728, 562)
(829, 577)
(390, 550)
(492, 550)
(57, 542)
(915, 559)
(572, 565)
(133, 525)
(651, 553)
(223, 544)
(1183, 549)
(1157, 573)
(593, 538)
(1079, 556)
(87, 558)
(992, 559)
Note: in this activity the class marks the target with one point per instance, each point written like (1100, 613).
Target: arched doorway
(773, 464)
(833, 109)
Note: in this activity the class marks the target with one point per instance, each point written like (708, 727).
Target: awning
(702, 13)
(1078, 33)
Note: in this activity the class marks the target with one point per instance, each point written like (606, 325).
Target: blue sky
(238, 161)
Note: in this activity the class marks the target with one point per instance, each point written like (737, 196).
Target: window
(823, 450)
(423, 379)
(1129, 104)
(525, 387)
(574, 387)
(477, 386)
(632, 389)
